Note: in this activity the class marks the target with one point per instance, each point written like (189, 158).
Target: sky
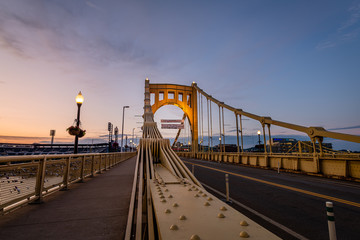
(295, 61)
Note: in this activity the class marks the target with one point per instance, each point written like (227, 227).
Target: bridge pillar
(184, 97)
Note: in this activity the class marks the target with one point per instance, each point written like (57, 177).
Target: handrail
(30, 178)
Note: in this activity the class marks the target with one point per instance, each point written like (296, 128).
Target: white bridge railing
(29, 178)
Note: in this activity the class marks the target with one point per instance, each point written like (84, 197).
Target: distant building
(285, 145)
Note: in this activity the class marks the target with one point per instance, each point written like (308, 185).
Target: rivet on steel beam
(182, 217)
(206, 204)
(200, 191)
(223, 208)
(194, 237)
(189, 189)
(244, 223)
(193, 186)
(244, 234)
(174, 227)
(162, 196)
(196, 195)
(166, 190)
(220, 215)
(209, 199)
(167, 211)
(204, 195)
(170, 196)
(160, 193)
(175, 205)
(163, 200)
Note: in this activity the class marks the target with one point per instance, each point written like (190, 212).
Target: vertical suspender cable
(223, 122)
(241, 132)
(199, 120)
(202, 122)
(220, 129)
(207, 101)
(237, 132)
(211, 140)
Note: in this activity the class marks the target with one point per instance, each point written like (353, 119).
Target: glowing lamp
(79, 98)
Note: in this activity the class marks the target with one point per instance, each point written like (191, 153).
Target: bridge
(173, 198)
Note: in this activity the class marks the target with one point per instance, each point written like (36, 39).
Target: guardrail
(30, 178)
(329, 165)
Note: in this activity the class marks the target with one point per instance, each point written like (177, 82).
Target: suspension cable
(208, 118)
(223, 122)
(211, 137)
(220, 129)
(241, 132)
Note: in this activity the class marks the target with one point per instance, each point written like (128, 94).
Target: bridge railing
(338, 166)
(30, 178)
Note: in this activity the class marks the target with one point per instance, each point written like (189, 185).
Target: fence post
(331, 220)
(66, 175)
(192, 170)
(100, 167)
(92, 166)
(40, 181)
(227, 187)
(82, 169)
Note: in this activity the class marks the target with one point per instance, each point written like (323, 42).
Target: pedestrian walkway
(95, 209)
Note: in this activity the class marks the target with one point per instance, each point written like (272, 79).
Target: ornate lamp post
(258, 132)
(79, 101)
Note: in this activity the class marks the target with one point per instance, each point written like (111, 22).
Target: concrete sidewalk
(95, 209)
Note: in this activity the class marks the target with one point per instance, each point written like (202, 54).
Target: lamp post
(258, 132)
(79, 100)
(133, 141)
(52, 134)
(122, 130)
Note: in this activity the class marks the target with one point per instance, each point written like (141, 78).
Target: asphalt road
(294, 203)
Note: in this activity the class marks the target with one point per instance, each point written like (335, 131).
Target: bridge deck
(96, 209)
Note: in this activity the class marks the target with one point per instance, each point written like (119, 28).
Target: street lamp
(258, 132)
(122, 131)
(79, 101)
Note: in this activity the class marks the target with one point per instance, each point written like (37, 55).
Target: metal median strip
(355, 204)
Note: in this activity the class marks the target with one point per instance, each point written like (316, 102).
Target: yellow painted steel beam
(310, 131)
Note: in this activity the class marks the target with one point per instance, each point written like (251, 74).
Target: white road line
(282, 227)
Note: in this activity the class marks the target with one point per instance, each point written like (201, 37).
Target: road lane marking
(282, 227)
(355, 204)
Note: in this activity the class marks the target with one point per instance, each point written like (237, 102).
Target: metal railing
(29, 178)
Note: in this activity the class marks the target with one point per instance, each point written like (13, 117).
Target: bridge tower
(184, 97)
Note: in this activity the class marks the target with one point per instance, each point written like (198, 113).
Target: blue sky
(296, 61)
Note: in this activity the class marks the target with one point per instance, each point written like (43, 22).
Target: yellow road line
(355, 204)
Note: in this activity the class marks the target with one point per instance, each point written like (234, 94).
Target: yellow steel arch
(184, 97)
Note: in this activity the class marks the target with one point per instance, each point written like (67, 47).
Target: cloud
(348, 31)
(353, 19)
(47, 31)
(92, 5)
(326, 44)
(345, 128)
(27, 140)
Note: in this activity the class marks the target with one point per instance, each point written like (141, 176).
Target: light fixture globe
(258, 132)
(79, 98)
